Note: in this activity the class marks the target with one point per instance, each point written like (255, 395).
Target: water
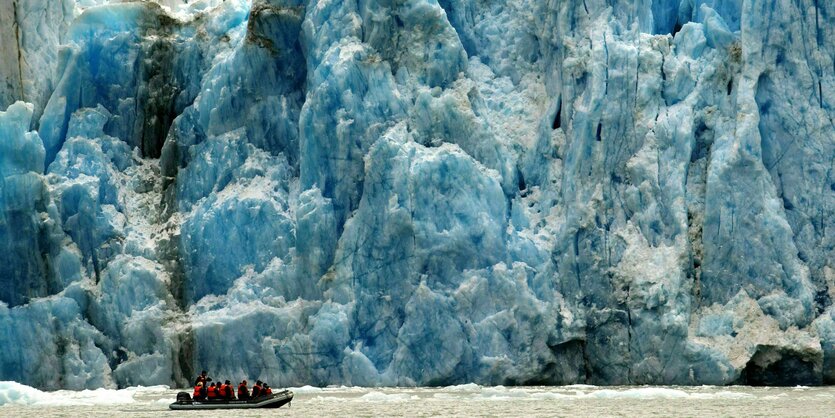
(465, 400)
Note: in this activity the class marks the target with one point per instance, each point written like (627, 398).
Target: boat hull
(276, 400)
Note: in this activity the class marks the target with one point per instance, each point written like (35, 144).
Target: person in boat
(212, 392)
(243, 392)
(267, 390)
(198, 391)
(203, 378)
(221, 391)
(230, 392)
(225, 391)
(256, 389)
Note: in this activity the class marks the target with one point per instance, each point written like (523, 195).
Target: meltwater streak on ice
(461, 400)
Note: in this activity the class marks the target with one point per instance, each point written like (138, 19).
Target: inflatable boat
(276, 400)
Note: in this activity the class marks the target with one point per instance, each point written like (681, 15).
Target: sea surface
(465, 400)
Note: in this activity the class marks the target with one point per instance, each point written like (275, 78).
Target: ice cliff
(417, 192)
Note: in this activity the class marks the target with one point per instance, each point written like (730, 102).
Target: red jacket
(243, 392)
(197, 390)
(212, 392)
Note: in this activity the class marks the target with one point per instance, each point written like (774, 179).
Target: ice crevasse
(417, 192)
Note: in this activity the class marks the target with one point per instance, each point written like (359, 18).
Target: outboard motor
(183, 397)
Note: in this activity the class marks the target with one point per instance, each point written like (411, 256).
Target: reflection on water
(463, 400)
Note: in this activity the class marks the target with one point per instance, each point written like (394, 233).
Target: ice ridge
(417, 192)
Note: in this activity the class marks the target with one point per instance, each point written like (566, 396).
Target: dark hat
(227, 382)
(259, 382)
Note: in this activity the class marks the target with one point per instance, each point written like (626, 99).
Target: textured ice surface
(417, 192)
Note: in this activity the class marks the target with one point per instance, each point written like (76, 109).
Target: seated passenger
(198, 392)
(221, 391)
(267, 390)
(256, 389)
(243, 392)
(212, 392)
(229, 394)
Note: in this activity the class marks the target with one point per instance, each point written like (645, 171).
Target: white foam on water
(721, 395)
(580, 386)
(501, 393)
(343, 389)
(308, 390)
(376, 396)
(552, 396)
(370, 397)
(16, 394)
(21, 400)
(327, 399)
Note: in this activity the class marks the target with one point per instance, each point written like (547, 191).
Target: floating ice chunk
(13, 393)
(306, 389)
(639, 393)
(467, 387)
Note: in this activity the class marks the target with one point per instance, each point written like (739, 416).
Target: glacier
(417, 192)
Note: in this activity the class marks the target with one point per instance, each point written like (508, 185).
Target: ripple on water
(461, 400)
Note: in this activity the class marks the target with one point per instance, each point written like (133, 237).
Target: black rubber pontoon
(276, 400)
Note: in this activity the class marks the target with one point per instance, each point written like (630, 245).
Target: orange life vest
(269, 391)
(243, 392)
(196, 393)
(224, 391)
(212, 392)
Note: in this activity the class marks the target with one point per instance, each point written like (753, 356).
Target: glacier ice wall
(417, 192)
